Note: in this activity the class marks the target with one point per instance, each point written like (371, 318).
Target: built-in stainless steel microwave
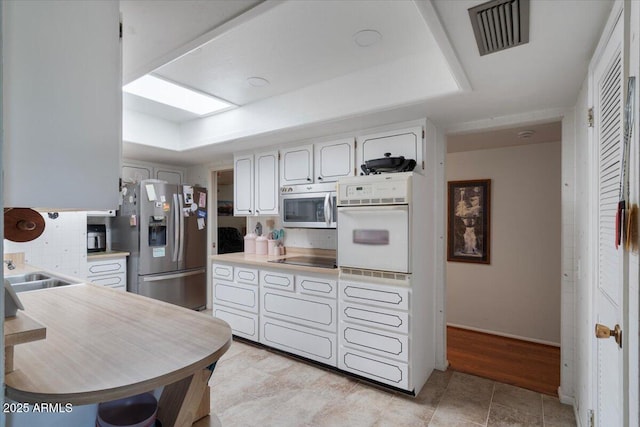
(308, 206)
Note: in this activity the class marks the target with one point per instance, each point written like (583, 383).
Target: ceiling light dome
(257, 81)
(366, 38)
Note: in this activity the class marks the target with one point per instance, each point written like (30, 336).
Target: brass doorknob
(604, 332)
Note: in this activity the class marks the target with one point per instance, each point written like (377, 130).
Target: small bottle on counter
(261, 245)
(250, 243)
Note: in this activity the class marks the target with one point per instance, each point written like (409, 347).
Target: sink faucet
(10, 264)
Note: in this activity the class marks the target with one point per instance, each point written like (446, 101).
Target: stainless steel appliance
(96, 237)
(308, 206)
(163, 227)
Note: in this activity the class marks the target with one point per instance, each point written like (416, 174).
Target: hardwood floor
(521, 363)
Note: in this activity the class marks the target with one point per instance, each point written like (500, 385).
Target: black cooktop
(308, 261)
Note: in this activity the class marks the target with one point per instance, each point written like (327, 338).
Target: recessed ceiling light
(166, 92)
(366, 38)
(257, 82)
(524, 134)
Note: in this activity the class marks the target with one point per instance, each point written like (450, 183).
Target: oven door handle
(327, 209)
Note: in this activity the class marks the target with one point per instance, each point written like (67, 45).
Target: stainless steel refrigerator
(163, 227)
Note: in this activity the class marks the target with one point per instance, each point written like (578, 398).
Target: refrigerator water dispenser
(157, 231)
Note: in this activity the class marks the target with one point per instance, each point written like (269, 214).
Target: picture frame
(469, 221)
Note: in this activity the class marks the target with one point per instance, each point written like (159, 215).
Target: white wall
(518, 294)
(62, 247)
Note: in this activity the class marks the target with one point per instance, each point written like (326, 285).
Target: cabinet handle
(249, 210)
(319, 178)
(309, 179)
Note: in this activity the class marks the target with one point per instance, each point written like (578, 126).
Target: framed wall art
(468, 221)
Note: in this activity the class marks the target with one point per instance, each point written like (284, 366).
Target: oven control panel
(392, 188)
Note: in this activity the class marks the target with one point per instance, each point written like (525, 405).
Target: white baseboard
(502, 334)
(565, 398)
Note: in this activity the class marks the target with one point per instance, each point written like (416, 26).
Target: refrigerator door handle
(176, 230)
(173, 276)
(181, 218)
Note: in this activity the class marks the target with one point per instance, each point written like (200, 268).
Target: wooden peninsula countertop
(103, 345)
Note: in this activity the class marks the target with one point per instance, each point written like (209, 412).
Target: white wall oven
(374, 218)
(308, 206)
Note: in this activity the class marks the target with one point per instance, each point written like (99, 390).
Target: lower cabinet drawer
(376, 368)
(243, 324)
(116, 281)
(392, 297)
(397, 321)
(222, 271)
(236, 295)
(277, 280)
(375, 341)
(301, 309)
(306, 342)
(112, 266)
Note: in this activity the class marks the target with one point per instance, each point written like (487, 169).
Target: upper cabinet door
(243, 185)
(402, 142)
(135, 173)
(62, 109)
(170, 176)
(266, 185)
(296, 165)
(334, 159)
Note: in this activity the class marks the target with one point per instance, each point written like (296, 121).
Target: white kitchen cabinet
(319, 286)
(334, 159)
(375, 294)
(292, 338)
(236, 295)
(243, 185)
(381, 343)
(62, 104)
(246, 275)
(277, 280)
(374, 332)
(408, 142)
(304, 310)
(296, 165)
(255, 184)
(266, 185)
(136, 173)
(236, 298)
(392, 320)
(111, 273)
(374, 367)
(171, 176)
(222, 271)
(242, 323)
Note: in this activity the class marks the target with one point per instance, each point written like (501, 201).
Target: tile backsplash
(298, 237)
(61, 247)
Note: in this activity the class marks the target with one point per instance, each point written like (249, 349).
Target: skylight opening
(168, 93)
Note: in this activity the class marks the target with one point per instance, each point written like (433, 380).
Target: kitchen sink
(35, 281)
(29, 277)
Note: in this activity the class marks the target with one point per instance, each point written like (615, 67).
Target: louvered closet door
(608, 86)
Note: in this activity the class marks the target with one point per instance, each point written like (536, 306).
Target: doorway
(230, 229)
(504, 317)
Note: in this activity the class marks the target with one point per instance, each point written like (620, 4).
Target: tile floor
(253, 386)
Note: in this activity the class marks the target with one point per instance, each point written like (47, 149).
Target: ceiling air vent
(500, 24)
